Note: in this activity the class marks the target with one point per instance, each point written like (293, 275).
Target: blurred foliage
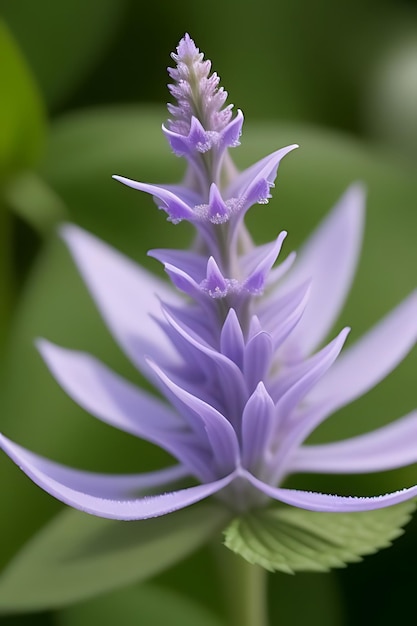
(294, 68)
(63, 41)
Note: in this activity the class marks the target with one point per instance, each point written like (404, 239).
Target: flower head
(232, 344)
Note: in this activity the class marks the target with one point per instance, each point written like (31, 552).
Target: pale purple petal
(218, 213)
(229, 136)
(257, 426)
(232, 343)
(264, 170)
(280, 270)
(283, 313)
(185, 283)
(329, 258)
(230, 376)
(92, 497)
(214, 283)
(328, 503)
(369, 360)
(257, 359)
(116, 401)
(112, 486)
(389, 447)
(170, 202)
(261, 264)
(189, 262)
(219, 431)
(295, 383)
(127, 296)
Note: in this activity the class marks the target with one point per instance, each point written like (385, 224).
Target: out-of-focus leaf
(291, 539)
(21, 113)
(86, 149)
(5, 272)
(77, 556)
(148, 605)
(38, 205)
(390, 95)
(21, 141)
(62, 40)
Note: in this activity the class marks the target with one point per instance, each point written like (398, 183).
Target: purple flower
(232, 345)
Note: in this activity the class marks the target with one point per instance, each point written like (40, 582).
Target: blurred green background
(83, 90)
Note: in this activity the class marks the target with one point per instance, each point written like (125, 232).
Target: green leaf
(149, 605)
(78, 556)
(62, 40)
(35, 202)
(21, 111)
(291, 539)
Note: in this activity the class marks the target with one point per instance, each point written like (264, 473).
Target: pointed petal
(189, 262)
(95, 496)
(257, 423)
(124, 294)
(329, 257)
(218, 212)
(293, 385)
(232, 343)
(257, 275)
(313, 501)
(257, 359)
(229, 136)
(102, 485)
(245, 183)
(370, 359)
(280, 270)
(389, 447)
(282, 314)
(219, 431)
(170, 202)
(215, 283)
(230, 376)
(114, 400)
(184, 282)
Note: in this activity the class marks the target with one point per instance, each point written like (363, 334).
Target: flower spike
(232, 343)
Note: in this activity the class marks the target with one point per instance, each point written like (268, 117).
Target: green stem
(245, 589)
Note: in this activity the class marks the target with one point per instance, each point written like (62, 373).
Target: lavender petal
(313, 501)
(220, 433)
(93, 494)
(369, 360)
(257, 426)
(114, 400)
(125, 295)
(329, 258)
(389, 447)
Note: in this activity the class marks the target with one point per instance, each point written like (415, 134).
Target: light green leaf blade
(21, 112)
(291, 539)
(148, 605)
(78, 556)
